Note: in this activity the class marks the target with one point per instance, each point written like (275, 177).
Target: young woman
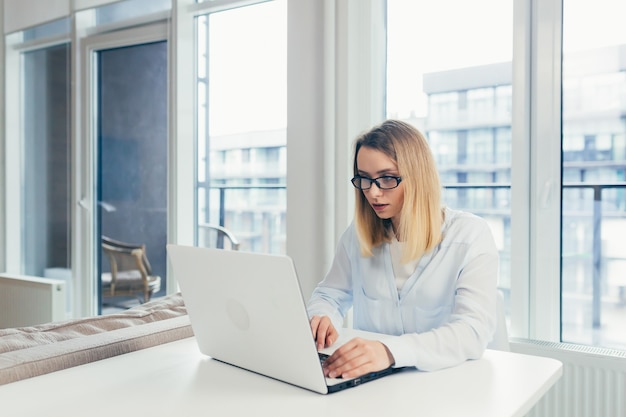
(421, 273)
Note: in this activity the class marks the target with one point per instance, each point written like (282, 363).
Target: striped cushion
(30, 351)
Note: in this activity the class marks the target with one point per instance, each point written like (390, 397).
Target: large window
(241, 124)
(460, 93)
(594, 174)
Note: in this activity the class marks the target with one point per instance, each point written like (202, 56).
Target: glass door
(122, 157)
(131, 126)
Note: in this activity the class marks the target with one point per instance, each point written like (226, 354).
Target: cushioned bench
(31, 351)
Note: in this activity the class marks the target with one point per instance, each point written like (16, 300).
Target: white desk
(175, 379)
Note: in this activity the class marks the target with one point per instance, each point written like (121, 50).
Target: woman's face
(387, 204)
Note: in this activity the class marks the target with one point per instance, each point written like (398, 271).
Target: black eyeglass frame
(358, 178)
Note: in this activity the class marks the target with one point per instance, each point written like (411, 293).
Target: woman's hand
(358, 357)
(324, 333)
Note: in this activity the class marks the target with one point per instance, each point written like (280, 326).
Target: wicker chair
(131, 273)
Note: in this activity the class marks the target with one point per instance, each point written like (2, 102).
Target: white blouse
(445, 311)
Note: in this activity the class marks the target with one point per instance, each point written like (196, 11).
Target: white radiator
(27, 301)
(593, 382)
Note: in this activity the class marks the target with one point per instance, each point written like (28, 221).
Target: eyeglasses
(386, 182)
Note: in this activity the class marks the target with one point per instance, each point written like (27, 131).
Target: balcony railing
(222, 195)
(597, 252)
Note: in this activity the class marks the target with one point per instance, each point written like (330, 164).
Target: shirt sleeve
(333, 296)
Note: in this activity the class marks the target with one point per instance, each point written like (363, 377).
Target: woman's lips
(379, 207)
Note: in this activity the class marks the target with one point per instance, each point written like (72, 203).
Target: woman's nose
(375, 190)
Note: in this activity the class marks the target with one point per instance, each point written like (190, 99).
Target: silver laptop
(246, 309)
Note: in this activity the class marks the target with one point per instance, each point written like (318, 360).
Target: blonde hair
(421, 216)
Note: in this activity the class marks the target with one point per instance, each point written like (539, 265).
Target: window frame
(544, 278)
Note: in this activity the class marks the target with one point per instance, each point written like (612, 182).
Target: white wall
(20, 14)
(307, 202)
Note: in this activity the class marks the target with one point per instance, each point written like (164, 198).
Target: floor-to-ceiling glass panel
(449, 73)
(593, 282)
(132, 149)
(241, 113)
(47, 164)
